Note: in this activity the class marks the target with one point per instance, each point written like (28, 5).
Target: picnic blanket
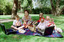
(55, 35)
(29, 32)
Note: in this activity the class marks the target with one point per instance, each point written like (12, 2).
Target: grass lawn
(59, 21)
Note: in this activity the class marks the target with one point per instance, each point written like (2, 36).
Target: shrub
(63, 12)
(45, 10)
(1, 12)
(8, 9)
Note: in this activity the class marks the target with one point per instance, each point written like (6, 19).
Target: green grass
(59, 21)
(9, 16)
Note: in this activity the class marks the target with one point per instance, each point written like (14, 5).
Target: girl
(26, 18)
(47, 19)
(51, 23)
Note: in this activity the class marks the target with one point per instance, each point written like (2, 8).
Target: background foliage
(6, 6)
(41, 6)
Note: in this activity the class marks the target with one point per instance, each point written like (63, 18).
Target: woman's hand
(35, 22)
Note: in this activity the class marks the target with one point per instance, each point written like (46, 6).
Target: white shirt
(18, 22)
(41, 25)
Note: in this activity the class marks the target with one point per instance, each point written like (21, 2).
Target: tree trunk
(61, 10)
(14, 9)
(19, 5)
(53, 8)
(58, 10)
(31, 7)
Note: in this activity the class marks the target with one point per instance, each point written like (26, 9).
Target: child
(17, 24)
(31, 26)
(40, 17)
(51, 23)
(47, 19)
(41, 27)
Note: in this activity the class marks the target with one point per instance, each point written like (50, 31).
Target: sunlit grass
(59, 21)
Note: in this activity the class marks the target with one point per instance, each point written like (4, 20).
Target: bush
(45, 10)
(63, 12)
(8, 9)
(1, 12)
(36, 11)
(30, 10)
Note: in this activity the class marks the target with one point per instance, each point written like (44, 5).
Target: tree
(14, 9)
(30, 4)
(57, 8)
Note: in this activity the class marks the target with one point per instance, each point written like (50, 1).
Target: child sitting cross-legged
(17, 25)
(31, 26)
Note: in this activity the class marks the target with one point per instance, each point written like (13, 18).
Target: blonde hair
(48, 17)
(51, 19)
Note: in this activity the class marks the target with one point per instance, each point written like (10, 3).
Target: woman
(26, 18)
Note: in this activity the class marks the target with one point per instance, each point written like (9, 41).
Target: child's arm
(35, 22)
(14, 27)
(38, 25)
(30, 18)
(14, 23)
(21, 27)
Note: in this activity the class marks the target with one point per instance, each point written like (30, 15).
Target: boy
(17, 24)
